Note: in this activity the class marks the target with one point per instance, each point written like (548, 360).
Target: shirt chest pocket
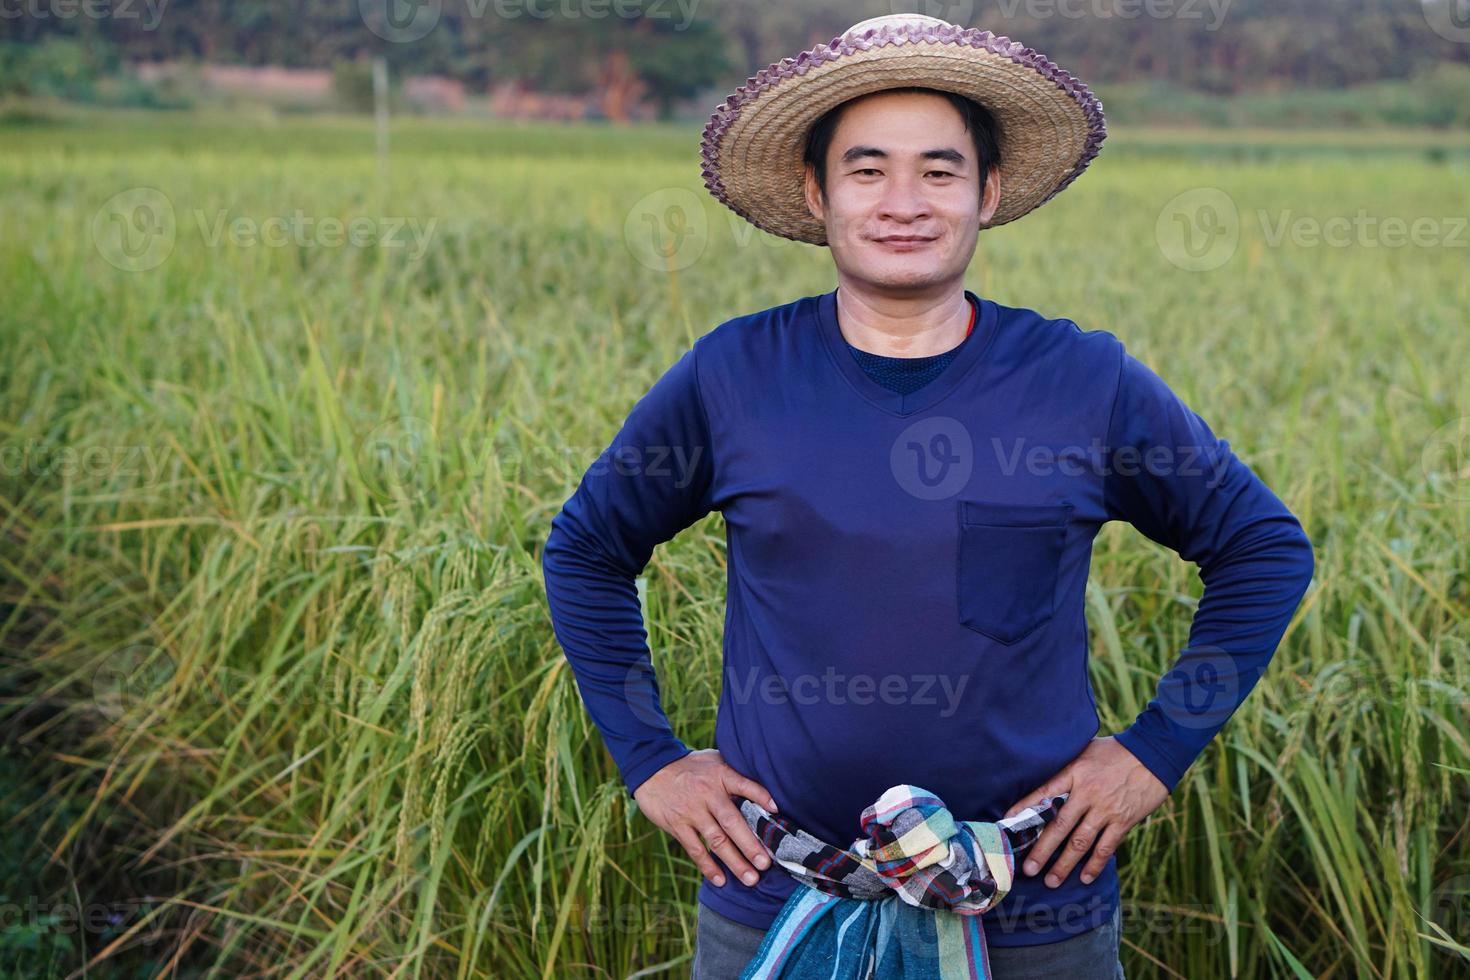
(1008, 561)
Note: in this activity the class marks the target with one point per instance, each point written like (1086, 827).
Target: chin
(901, 274)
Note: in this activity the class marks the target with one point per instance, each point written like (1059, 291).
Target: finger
(1107, 845)
(1054, 834)
(687, 836)
(719, 840)
(1083, 836)
(745, 839)
(750, 789)
(1056, 785)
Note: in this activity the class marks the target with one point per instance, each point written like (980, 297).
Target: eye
(942, 173)
(867, 170)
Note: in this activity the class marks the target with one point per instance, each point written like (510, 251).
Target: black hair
(980, 123)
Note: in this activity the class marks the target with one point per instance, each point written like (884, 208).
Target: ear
(990, 199)
(813, 194)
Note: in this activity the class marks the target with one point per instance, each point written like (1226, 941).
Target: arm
(652, 481)
(1181, 486)
(1170, 477)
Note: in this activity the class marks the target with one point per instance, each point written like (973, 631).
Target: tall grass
(276, 659)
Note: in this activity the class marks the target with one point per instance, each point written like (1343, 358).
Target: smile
(904, 244)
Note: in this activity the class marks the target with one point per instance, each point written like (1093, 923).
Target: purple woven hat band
(1051, 124)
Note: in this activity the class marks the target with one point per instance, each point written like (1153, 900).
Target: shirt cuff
(670, 751)
(1153, 758)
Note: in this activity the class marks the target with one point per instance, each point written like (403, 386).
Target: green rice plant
(277, 669)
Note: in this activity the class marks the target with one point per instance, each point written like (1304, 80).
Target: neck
(903, 326)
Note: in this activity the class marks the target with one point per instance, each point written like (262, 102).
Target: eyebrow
(858, 152)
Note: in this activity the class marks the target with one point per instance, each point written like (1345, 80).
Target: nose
(903, 200)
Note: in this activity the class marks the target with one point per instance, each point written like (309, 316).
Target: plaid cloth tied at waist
(905, 901)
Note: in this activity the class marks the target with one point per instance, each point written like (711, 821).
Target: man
(911, 476)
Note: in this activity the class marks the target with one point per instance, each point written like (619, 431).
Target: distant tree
(1236, 46)
(676, 64)
(55, 66)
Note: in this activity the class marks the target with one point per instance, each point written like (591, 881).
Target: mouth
(903, 242)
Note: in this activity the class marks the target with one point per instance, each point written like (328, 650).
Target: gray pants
(723, 947)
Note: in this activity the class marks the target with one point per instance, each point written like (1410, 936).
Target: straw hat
(1051, 125)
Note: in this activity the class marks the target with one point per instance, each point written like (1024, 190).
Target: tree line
(675, 49)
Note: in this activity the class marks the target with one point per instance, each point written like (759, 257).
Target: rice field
(283, 430)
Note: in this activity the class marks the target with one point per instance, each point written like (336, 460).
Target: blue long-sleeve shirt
(906, 573)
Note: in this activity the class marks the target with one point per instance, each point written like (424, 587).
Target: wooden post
(380, 113)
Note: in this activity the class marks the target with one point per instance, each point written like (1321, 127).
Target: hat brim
(1050, 124)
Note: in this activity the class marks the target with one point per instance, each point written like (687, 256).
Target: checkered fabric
(902, 902)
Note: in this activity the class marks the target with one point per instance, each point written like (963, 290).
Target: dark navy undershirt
(906, 374)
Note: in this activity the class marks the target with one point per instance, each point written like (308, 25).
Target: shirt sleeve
(652, 481)
(1182, 487)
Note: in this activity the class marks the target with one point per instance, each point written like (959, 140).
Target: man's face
(902, 166)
